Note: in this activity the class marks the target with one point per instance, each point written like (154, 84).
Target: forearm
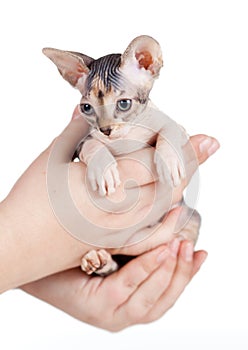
(32, 242)
(28, 254)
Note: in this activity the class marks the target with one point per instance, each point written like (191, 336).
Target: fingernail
(205, 144)
(188, 251)
(162, 255)
(174, 246)
(213, 148)
(209, 145)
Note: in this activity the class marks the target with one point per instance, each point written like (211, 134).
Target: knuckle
(136, 312)
(147, 304)
(130, 284)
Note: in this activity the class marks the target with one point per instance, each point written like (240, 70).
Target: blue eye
(124, 105)
(87, 109)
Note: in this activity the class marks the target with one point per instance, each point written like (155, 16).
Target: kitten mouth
(107, 130)
(114, 131)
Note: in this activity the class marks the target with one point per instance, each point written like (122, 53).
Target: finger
(70, 137)
(155, 236)
(181, 278)
(204, 146)
(137, 271)
(147, 294)
(63, 147)
(196, 151)
(140, 162)
(199, 258)
(76, 113)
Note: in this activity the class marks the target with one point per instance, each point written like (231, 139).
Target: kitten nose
(106, 130)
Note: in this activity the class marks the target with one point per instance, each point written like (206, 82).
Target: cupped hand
(140, 292)
(31, 227)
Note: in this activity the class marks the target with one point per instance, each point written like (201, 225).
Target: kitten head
(115, 88)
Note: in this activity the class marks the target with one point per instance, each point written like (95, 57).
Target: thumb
(76, 113)
(64, 145)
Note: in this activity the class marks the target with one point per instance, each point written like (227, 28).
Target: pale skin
(34, 246)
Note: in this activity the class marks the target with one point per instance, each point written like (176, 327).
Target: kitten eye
(124, 105)
(87, 109)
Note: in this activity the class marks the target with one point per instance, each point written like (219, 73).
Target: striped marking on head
(105, 71)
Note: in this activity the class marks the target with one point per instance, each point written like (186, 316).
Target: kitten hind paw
(99, 262)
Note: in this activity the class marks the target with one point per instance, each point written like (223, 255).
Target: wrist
(33, 246)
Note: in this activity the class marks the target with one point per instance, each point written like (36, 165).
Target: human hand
(140, 292)
(35, 244)
(155, 198)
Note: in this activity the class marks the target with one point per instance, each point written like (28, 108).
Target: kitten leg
(102, 169)
(99, 262)
(169, 166)
(189, 230)
(168, 156)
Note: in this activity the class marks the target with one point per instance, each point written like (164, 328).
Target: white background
(203, 86)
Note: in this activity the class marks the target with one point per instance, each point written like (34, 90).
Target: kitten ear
(144, 54)
(71, 65)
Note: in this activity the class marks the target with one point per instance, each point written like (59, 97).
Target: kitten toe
(90, 262)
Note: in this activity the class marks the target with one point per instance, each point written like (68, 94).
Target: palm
(140, 292)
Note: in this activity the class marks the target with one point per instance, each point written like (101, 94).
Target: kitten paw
(169, 168)
(104, 181)
(99, 262)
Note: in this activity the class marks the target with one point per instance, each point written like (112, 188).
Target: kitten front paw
(102, 171)
(169, 167)
(99, 262)
(105, 181)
